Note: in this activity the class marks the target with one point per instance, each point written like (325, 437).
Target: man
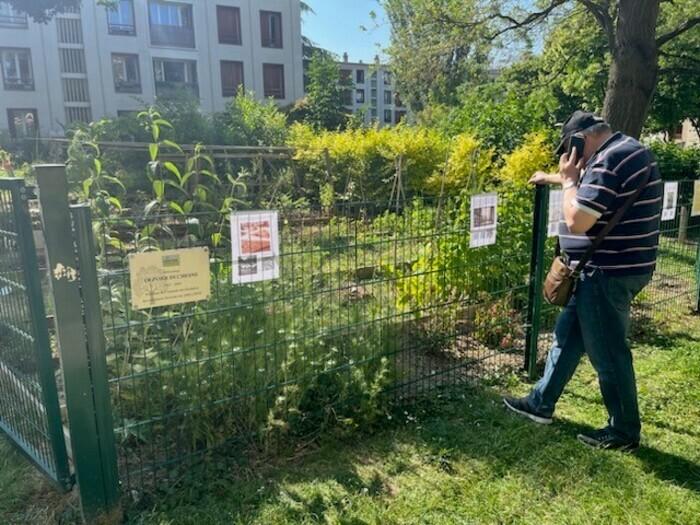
(596, 320)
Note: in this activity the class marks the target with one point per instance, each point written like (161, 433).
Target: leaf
(87, 184)
(155, 132)
(98, 166)
(163, 122)
(211, 175)
(115, 202)
(177, 187)
(171, 144)
(159, 189)
(176, 207)
(116, 181)
(153, 150)
(172, 168)
(149, 207)
(215, 239)
(188, 206)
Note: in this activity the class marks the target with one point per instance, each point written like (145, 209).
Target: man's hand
(570, 167)
(542, 178)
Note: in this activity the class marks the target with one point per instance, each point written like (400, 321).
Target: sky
(336, 26)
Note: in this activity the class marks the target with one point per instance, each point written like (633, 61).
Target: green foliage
(362, 163)
(465, 273)
(430, 56)
(675, 161)
(468, 167)
(324, 100)
(249, 122)
(499, 115)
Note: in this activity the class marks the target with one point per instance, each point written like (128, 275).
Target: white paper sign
(484, 220)
(670, 201)
(556, 212)
(254, 246)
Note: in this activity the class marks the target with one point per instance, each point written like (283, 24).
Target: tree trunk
(634, 67)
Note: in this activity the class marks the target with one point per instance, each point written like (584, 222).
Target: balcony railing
(165, 89)
(13, 21)
(127, 86)
(162, 35)
(19, 84)
(122, 29)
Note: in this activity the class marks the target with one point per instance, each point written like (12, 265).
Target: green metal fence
(29, 405)
(375, 305)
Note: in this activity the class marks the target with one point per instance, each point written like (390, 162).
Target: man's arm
(578, 219)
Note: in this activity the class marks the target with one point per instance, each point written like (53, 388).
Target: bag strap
(613, 222)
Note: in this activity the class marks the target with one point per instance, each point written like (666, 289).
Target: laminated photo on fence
(484, 220)
(254, 246)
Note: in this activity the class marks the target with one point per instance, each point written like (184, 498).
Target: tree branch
(685, 26)
(512, 22)
(601, 12)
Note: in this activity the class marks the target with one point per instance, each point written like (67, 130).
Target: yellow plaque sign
(169, 277)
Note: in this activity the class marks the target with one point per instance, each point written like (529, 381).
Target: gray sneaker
(521, 406)
(606, 439)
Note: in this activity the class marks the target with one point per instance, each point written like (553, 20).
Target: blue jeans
(596, 322)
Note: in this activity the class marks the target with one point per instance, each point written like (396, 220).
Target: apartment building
(96, 62)
(373, 91)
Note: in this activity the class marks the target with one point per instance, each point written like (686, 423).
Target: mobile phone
(577, 142)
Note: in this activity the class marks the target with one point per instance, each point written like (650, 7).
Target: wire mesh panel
(29, 411)
(371, 305)
(674, 287)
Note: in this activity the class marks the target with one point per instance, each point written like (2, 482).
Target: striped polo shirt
(613, 174)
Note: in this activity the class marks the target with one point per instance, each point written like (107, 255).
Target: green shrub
(362, 163)
(675, 161)
(464, 273)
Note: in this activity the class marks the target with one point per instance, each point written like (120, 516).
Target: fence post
(537, 264)
(98, 500)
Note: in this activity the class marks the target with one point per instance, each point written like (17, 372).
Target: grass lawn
(458, 460)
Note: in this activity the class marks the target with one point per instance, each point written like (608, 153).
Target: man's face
(589, 148)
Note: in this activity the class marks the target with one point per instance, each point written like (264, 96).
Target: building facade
(96, 62)
(373, 92)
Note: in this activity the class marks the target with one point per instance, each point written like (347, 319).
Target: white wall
(47, 98)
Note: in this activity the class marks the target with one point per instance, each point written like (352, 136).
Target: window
(17, 69)
(273, 80)
(387, 78)
(175, 75)
(387, 97)
(374, 112)
(397, 101)
(120, 18)
(22, 123)
(360, 96)
(399, 116)
(126, 71)
(360, 76)
(171, 24)
(11, 18)
(231, 77)
(387, 116)
(345, 76)
(229, 22)
(374, 94)
(271, 29)
(346, 97)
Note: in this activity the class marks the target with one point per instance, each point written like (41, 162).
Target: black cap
(577, 122)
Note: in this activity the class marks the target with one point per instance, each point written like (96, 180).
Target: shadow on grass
(446, 434)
